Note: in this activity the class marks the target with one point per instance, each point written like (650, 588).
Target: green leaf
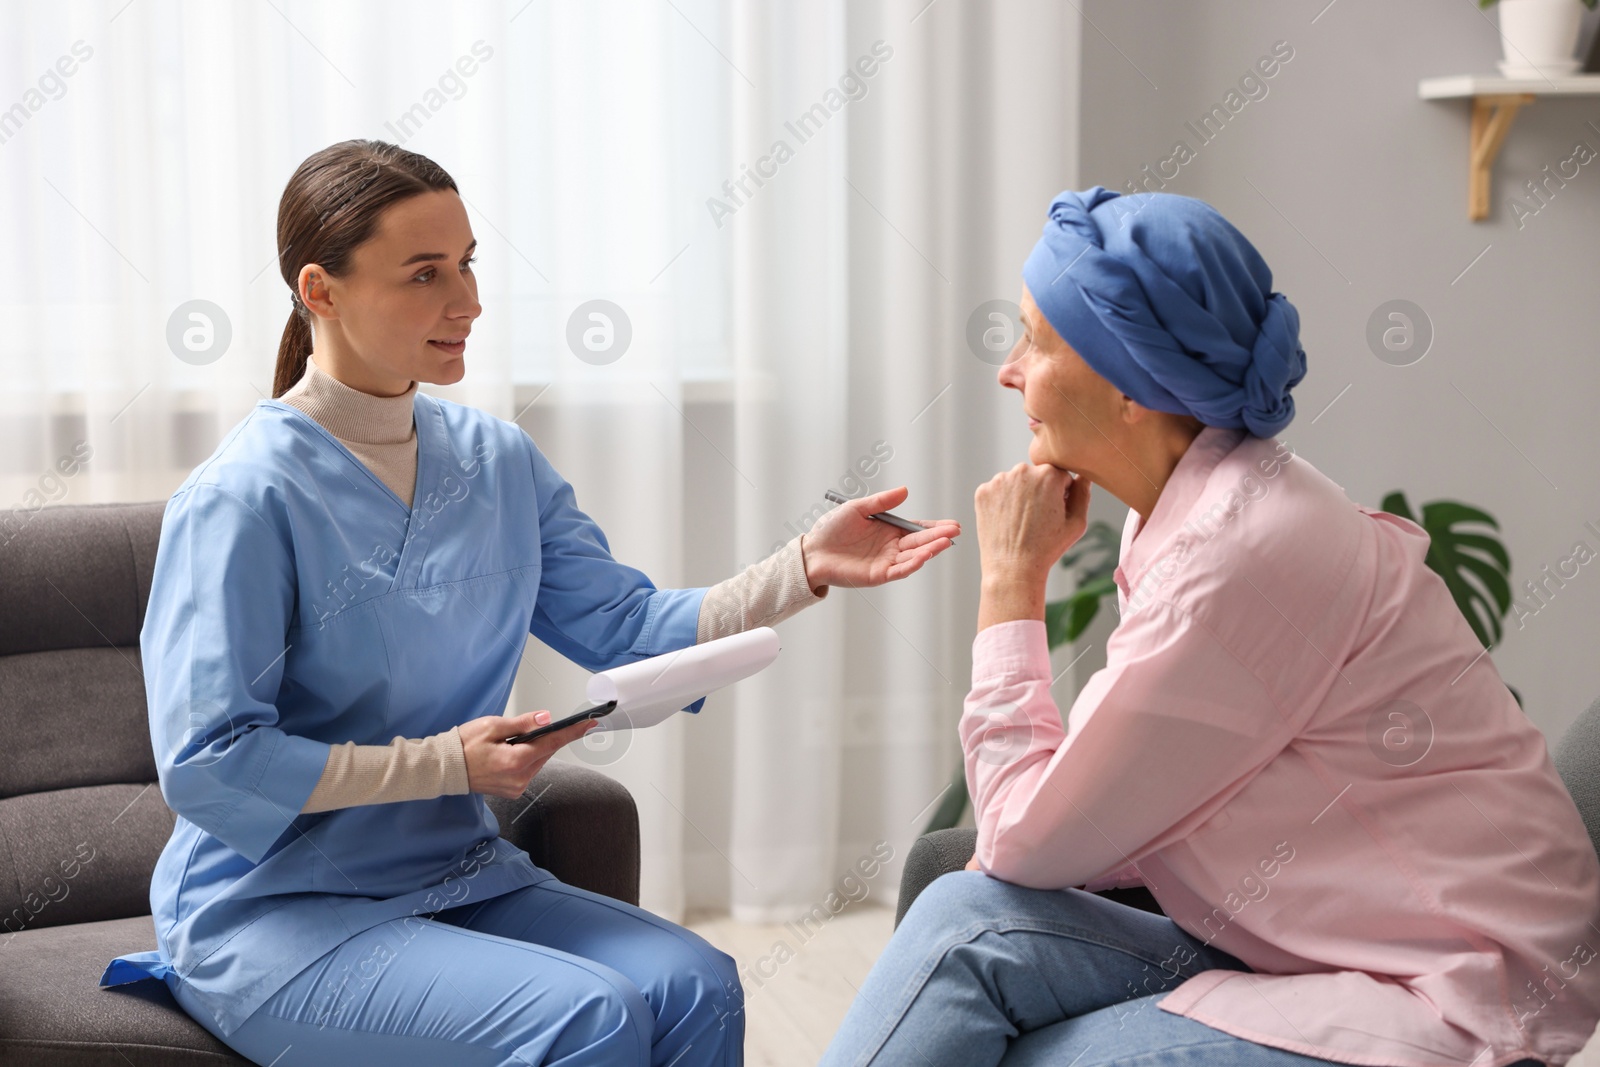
(1489, 545)
(1095, 558)
(1450, 512)
(1475, 566)
(1096, 552)
(1084, 607)
(1494, 580)
(1395, 504)
(1056, 620)
(1067, 618)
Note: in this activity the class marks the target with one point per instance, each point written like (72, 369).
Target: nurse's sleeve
(598, 612)
(1168, 726)
(213, 645)
(763, 594)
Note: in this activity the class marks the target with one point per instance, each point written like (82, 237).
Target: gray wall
(1354, 190)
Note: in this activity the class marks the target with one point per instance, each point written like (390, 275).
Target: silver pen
(882, 516)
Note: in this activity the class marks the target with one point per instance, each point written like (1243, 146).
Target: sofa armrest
(579, 825)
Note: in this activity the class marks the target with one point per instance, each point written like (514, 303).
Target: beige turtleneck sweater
(379, 431)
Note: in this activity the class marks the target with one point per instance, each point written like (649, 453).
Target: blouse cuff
(1008, 652)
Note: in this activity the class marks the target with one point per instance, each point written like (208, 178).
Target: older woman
(1362, 850)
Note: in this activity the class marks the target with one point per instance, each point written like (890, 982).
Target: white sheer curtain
(800, 333)
(856, 271)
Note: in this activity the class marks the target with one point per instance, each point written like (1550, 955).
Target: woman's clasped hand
(1027, 517)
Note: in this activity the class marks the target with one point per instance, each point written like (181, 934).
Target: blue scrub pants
(548, 974)
(982, 972)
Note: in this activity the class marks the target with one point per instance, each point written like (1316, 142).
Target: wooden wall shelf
(1495, 102)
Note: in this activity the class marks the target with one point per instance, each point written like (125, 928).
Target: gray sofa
(1577, 760)
(82, 819)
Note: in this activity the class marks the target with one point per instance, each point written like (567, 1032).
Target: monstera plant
(1473, 563)
(1095, 558)
(1455, 553)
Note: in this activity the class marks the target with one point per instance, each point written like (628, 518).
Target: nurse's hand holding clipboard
(503, 770)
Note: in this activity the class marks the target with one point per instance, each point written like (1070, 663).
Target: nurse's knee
(724, 970)
(719, 998)
(606, 1020)
(699, 979)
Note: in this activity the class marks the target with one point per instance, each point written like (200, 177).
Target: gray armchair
(1577, 760)
(82, 819)
(944, 851)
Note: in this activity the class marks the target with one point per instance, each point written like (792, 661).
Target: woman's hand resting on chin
(503, 770)
(1028, 517)
(847, 548)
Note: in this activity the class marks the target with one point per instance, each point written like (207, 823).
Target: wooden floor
(794, 1013)
(794, 1006)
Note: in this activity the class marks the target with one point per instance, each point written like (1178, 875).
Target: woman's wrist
(1006, 597)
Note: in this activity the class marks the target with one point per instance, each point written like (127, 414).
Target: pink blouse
(1299, 747)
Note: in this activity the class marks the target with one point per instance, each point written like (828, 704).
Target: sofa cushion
(79, 855)
(53, 1013)
(73, 717)
(77, 577)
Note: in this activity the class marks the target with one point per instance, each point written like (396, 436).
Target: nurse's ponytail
(332, 205)
(293, 349)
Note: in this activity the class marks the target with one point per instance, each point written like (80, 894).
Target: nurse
(339, 605)
(1359, 846)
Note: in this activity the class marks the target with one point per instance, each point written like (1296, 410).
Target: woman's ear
(314, 291)
(1133, 412)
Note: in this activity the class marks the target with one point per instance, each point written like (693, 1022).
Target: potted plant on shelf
(1540, 36)
(1455, 550)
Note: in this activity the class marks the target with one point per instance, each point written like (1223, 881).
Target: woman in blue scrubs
(298, 604)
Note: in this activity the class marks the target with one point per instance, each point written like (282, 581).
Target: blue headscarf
(1163, 298)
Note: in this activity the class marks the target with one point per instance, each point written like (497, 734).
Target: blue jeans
(984, 972)
(547, 974)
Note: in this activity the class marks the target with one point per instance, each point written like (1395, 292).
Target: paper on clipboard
(652, 690)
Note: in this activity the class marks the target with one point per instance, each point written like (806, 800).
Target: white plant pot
(1539, 36)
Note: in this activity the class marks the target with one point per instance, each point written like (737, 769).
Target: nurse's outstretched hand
(847, 548)
(503, 770)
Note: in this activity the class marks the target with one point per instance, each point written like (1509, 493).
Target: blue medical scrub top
(297, 603)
